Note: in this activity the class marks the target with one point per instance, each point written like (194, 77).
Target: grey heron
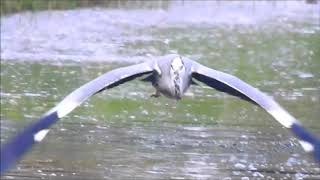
(171, 75)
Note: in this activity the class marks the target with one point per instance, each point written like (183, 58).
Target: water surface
(122, 133)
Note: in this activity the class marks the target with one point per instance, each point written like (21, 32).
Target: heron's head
(177, 73)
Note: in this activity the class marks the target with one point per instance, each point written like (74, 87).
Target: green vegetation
(13, 6)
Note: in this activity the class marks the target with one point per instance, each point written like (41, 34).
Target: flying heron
(171, 76)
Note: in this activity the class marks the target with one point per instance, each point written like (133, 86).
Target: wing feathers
(12, 151)
(234, 86)
(218, 85)
(108, 80)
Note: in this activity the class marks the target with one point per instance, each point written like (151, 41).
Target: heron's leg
(155, 95)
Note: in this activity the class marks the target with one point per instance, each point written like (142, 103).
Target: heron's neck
(176, 83)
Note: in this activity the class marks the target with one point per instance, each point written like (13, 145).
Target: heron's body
(171, 75)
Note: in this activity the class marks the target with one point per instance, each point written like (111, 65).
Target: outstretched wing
(16, 147)
(234, 86)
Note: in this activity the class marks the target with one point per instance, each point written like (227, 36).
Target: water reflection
(122, 133)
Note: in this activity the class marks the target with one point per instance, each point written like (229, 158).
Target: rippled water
(123, 133)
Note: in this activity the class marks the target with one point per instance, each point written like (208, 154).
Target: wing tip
(40, 135)
(308, 141)
(14, 149)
